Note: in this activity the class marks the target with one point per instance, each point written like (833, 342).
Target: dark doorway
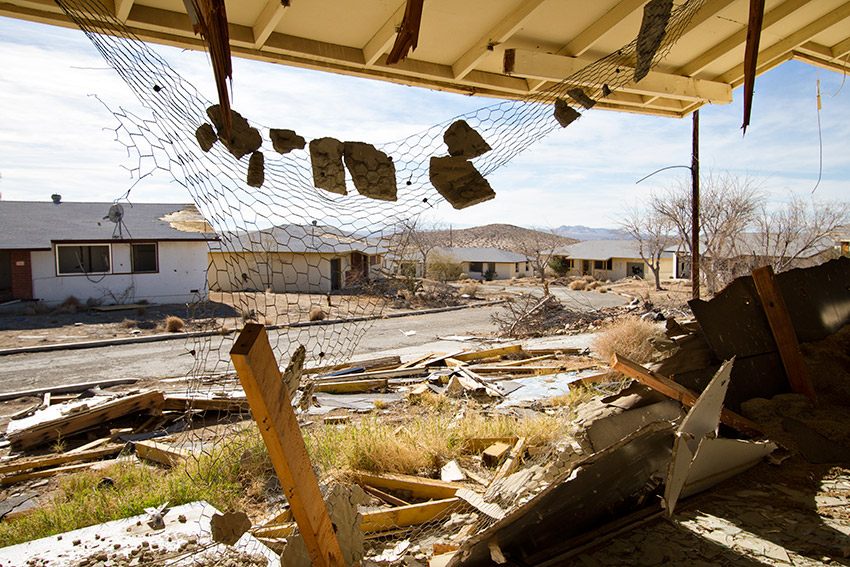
(336, 273)
(5, 275)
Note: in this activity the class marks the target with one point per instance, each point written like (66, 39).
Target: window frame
(133, 246)
(106, 245)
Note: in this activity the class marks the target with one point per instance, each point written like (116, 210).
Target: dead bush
(588, 278)
(70, 306)
(628, 336)
(602, 290)
(594, 285)
(578, 285)
(527, 315)
(317, 314)
(129, 323)
(36, 308)
(470, 289)
(174, 324)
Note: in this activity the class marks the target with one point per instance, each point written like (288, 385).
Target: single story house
(111, 253)
(612, 260)
(490, 263)
(293, 259)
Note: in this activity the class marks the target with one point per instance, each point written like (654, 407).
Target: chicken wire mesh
(294, 237)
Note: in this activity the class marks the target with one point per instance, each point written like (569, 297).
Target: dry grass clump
(174, 324)
(578, 394)
(70, 306)
(588, 278)
(317, 314)
(594, 285)
(470, 289)
(129, 323)
(578, 285)
(628, 336)
(36, 308)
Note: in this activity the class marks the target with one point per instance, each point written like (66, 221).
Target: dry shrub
(578, 285)
(317, 314)
(174, 324)
(594, 285)
(470, 289)
(628, 336)
(36, 308)
(602, 290)
(129, 323)
(70, 306)
(588, 278)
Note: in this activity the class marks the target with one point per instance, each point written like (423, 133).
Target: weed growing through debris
(174, 324)
(628, 336)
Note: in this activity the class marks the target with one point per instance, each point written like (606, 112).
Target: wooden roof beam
(500, 33)
(384, 37)
(830, 65)
(782, 50)
(122, 9)
(738, 39)
(267, 21)
(548, 67)
(841, 49)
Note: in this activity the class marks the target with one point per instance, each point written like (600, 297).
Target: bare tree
(415, 237)
(728, 207)
(539, 247)
(653, 233)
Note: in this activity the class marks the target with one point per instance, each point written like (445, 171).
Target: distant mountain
(503, 236)
(580, 232)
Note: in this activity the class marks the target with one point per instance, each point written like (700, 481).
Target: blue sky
(56, 138)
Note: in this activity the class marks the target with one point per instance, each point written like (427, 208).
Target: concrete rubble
(457, 180)
(463, 141)
(372, 171)
(244, 139)
(326, 160)
(564, 113)
(284, 141)
(256, 170)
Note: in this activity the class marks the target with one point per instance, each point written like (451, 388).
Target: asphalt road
(175, 358)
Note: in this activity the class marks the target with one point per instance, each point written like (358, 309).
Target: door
(336, 274)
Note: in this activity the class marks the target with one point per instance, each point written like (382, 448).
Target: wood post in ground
(272, 409)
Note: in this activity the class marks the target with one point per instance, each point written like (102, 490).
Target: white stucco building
(52, 250)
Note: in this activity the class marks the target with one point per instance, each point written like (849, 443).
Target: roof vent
(57, 198)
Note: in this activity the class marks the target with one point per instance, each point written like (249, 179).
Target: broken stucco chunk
(328, 171)
(284, 141)
(227, 528)
(464, 142)
(580, 97)
(206, 136)
(457, 180)
(372, 171)
(656, 14)
(564, 113)
(256, 174)
(342, 502)
(243, 138)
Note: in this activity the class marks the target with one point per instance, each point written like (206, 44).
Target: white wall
(619, 268)
(181, 277)
(280, 272)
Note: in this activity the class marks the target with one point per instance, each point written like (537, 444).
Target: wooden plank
(478, 444)
(420, 360)
(201, 403)
(439, 359)
(371, 363)
(271, 531)
(61, 459)
(680, 393)
(52, 472)
(418, 371)
(475, 355)
(416, 486)
(352, 386)
(44, 432)
(68, 388)
(388, 498)
(783, 332)
(538, 351)
(162, 453)
(525, 361)
(412, 515)
(511, 463)
(261, 379)
(493, 454)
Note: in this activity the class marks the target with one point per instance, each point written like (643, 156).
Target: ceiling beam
(829, 65)
(122, 9)
(841, 49)
(500, 33)
(549, 67)
(601, 27)
(384, 37)
(782, 50)
(738, 39)
(267, 21)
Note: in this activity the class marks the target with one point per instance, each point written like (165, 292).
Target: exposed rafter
(548, 67)
(122, 9)
(383, 39)
(267, 21)
(500, 33)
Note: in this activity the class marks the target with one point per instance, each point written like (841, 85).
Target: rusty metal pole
(695, 210)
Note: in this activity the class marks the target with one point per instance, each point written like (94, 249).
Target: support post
(695, 209)
(272, 409)
(783, 332)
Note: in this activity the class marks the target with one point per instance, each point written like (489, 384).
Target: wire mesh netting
(301, 227)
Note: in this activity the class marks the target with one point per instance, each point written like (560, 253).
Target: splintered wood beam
(487, 353)
(162, 453)
(680, 393)
(272, 409)
(122, 9)
(408, 33)
(416, 486)
(751, 57)
(383, 38)
(783, 332)
(61, 459)
(404, 516)
(267, 21)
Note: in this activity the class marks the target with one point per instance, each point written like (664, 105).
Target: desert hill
(504, 236)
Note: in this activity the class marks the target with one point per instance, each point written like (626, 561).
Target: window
(144, 258)
(602, 264)
(82, 259)
(476, 267)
